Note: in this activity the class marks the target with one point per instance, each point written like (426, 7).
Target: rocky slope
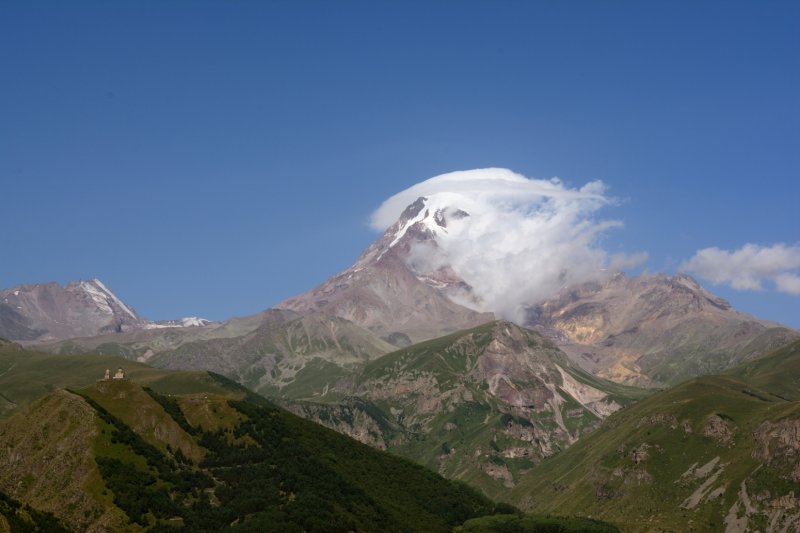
(653, 330)
(51, 312)
(644, 330)
(483, 405)
(383, 294)
(717, 453)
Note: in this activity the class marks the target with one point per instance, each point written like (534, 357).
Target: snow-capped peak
(433, 215)
(186, 322)
(428, 218)
(191, 321)
(103, 297)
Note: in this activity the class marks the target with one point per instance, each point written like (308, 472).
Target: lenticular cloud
(524, 239)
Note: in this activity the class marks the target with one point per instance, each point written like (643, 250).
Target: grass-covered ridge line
(26, 376)
(261, 470)
(158, 488)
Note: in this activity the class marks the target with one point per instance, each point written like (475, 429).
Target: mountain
(115, 456)
(275, 352)
(639, 330)
(143, 343)
(653, 330)
(649, 330)
(381, 293)
(711, 454)
(483, 405)
(287, 355)
(51, 312)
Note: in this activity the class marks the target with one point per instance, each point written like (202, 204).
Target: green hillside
(777, 374)
(26, 376)
(715, 453)
(484, 405)
(134, 459)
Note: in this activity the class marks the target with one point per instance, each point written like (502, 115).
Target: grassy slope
(51, 466)
(321, 474)
(709, 352)
(470, 437)
(273, 469)
(26, 376)
(302, 358)
(777, 374)
(605, 476)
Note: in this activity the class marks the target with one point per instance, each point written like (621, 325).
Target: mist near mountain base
(524, 239)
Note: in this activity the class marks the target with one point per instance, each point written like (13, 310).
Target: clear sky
(214, 158)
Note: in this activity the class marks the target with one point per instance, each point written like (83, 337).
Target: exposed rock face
(653, 329)
(779, 442)
(719, 429)
(50, 311)
(499, 473)
(353, 417)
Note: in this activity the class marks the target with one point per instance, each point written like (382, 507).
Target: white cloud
(788, 283)
(495, 185)
(524, 239)
(749, 267)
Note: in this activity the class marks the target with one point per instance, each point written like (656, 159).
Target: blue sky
(214, 158)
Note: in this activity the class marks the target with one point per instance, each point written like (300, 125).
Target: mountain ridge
(480, 405)
(653, 329)
(51, 312)
(713, 453)
(382, 294)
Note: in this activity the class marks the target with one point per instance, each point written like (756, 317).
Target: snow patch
(98, 297)
(194, 321)
(114, 298)
(186, 322)
(103, 297)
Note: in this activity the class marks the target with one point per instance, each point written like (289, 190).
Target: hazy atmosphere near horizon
(215, 158)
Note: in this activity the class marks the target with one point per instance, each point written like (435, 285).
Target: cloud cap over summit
(524, 239)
